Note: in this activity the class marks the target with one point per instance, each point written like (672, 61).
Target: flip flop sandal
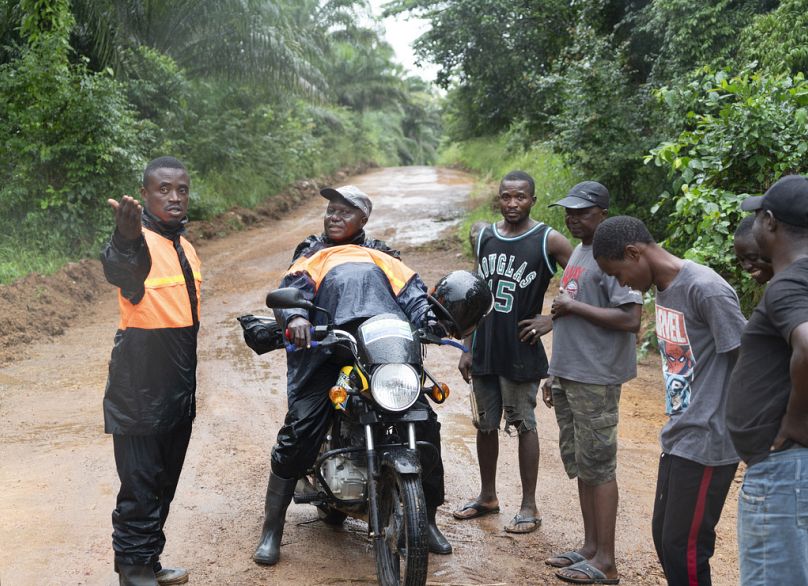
(479, 511)
(572, 557)
(591, 573)
(520, 524)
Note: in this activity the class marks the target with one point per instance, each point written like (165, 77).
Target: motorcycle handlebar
(323, 336)
(321, 333)
(450, 342)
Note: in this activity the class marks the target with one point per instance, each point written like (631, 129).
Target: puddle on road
(413, 205)
(464, 434)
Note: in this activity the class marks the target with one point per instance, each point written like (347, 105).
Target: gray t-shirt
(585, 352)
(698, 325)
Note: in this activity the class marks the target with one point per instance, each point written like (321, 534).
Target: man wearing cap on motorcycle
(359, 281)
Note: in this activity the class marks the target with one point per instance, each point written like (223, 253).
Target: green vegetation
(746, 132)
(251, 95)
(680, 107)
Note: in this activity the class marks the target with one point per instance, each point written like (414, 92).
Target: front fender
(402, 460)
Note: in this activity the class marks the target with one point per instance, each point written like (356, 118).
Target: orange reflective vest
(320, 264)
(165, 303)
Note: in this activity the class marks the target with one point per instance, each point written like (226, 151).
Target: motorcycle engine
(345, 479)
(346, 475)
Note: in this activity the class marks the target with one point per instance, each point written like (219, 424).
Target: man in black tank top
(517, 256)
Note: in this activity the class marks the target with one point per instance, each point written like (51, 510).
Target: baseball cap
(352, 194)
(787, 200)
(586, 194)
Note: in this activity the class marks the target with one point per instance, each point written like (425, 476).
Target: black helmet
(460, 300)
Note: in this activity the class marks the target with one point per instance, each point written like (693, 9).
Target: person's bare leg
(586, 496)
(606, 497)
(529, 471)
(604, 500)
(487, 456)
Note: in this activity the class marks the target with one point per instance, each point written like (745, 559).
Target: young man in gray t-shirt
(595, 320)
(698, 325)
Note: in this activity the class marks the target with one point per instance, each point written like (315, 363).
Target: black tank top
(518, 270)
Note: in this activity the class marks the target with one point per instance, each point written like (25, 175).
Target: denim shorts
(587, 418)
(773, 520)
(494, 395)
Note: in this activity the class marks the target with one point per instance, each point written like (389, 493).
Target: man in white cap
(387, 286)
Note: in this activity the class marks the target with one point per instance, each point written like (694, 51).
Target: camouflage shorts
(587, 420)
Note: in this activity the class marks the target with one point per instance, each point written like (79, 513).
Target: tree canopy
(680, 107)
(250, 94)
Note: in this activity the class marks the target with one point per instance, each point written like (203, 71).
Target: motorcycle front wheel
(402, 555)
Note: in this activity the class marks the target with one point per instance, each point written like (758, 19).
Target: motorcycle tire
(402, 556)
(331, 516)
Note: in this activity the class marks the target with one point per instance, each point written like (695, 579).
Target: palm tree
(251, 40)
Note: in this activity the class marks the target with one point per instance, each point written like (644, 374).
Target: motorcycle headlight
(395, 386)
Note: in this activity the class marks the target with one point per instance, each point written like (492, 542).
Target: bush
(745, 132)
(70, 140)
(778, 40)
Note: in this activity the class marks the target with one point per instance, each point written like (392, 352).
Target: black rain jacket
(152, 371)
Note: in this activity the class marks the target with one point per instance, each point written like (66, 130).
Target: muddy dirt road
(58, 481)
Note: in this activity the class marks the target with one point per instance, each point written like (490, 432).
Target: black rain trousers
(149, 468)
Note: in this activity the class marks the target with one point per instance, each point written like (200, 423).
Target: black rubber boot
(171, 576)
(437, 542)
(279, 495)
(135, 575)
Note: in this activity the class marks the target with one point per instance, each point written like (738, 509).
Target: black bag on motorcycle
(262, 334)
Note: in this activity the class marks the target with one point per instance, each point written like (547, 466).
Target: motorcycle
(369, 466)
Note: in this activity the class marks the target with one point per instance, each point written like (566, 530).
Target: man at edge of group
(330, 269)
(517, 256)
(747, 252)
(767, 408)
(698, 327)
(149, 402)
(595, 320)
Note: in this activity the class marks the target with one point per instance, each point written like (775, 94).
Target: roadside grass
(217, 193)
(45, 247)
(18, 259)
(492, 158)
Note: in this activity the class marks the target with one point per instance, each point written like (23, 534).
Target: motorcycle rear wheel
(402, 555)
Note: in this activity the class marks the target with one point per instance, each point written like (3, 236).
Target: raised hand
(128, 213)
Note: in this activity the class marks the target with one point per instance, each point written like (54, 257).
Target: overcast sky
(401, 34)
